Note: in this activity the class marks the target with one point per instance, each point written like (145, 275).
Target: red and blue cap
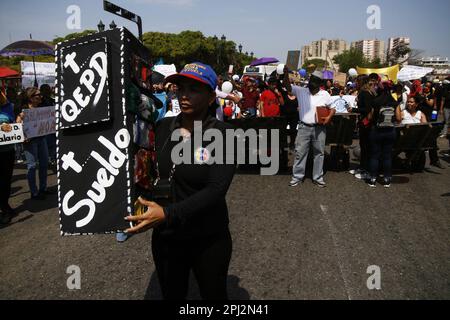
(196, 71)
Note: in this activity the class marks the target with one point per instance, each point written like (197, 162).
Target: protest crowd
(380, 104)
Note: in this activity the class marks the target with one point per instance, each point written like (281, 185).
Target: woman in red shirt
(270, 100)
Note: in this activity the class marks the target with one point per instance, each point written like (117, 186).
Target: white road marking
(339, 256)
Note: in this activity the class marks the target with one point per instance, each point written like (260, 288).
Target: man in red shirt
(250, 95)
(270, 100)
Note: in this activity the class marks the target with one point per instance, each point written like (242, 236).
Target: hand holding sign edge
(150, 219)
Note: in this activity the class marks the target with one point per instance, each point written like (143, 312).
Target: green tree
(355, 58)
(179, 49)
(398, 54)
(72, 36)
(190, 46)
(319, 63)
(350, 59)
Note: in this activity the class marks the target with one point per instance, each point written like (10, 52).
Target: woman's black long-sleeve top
(199, 190)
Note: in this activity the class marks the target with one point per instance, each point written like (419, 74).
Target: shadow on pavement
(400, 180)
(35, 206)
(2, 226)
(19, 177)
(235, 292)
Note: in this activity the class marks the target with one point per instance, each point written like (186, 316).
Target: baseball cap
(196, 71)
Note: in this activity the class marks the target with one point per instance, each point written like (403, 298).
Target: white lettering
(87, 79)
(101, 70)
(71, 114)
(70, 62)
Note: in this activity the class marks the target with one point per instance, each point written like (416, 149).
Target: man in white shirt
(310, 133)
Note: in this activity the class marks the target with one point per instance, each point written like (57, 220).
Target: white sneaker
(362, 176)
(294, 183)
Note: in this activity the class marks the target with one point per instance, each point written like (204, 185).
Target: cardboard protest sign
(39, 122)
(12, 137)
(350, 101)
(95, 142)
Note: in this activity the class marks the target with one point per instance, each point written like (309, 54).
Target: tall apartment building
(393, 43)
(372, 49)
(323, 49)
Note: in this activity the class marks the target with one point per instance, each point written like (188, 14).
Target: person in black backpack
(382, 134)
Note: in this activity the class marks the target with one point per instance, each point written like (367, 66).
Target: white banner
(409, 73)
(45, 73)
(39, 122)
(166, 69)
(14, 136)
(42, 68)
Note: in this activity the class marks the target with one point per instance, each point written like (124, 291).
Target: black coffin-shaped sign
(85, 78)
(95, 143)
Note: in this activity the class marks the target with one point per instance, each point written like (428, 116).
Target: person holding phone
(191, 231)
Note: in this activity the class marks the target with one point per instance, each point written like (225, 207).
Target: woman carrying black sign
(191, 232)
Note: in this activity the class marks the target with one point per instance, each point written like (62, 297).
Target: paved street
(289, 243)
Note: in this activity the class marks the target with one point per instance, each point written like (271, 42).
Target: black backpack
(386, 117)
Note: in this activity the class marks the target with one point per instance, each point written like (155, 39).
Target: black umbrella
(28, 48)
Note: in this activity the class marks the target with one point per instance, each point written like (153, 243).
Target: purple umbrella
(263, 61)
(28, 48)
(328, 75)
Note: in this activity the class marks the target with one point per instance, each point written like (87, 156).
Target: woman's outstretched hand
(150, 219)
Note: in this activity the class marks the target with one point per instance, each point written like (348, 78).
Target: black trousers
(6, 172)
(208, 258)
(364, 144)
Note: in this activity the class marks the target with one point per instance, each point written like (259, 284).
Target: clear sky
(268, 28)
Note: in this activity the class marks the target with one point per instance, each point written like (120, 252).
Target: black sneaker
(7, 209)
(437, 165)
(320, 184)
(39, 196)
(372, 183)
(387, 183)
(5, 218)
(47, 192)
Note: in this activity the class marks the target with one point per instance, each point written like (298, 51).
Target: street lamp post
(101, 26)
(240, 48)
(112, 25)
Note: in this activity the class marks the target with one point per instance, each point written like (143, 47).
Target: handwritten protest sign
(39, 122)
(349, 100)
(14, 136)
(85, 95)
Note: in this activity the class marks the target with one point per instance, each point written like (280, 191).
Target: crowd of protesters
(36, 152)
(279, 95)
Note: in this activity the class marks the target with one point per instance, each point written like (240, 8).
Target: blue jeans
(381, 144)
(37, 151)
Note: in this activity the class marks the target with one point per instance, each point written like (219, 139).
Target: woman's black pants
(6, 171)
(208, 258)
